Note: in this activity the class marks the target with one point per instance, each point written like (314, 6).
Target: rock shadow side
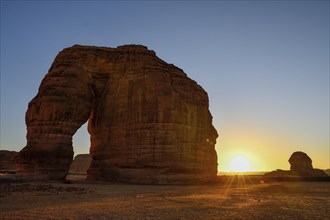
(7, 161)
(148, 122)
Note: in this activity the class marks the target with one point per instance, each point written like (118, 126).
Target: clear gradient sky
(264, 64)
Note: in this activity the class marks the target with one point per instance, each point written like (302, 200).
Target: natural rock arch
(148, 122)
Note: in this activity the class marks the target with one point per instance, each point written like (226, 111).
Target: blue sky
(264, 64)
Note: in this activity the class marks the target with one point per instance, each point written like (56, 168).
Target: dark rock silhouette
(149, 122)
(300, 165)
(279, 173)
(80, 164)
(7, 160)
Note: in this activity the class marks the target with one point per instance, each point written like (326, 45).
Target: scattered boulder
(300, 166)
(80, 164)
(148, 121)
(7, 160)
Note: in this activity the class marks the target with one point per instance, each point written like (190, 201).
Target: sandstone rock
(149, 122)
(279, 173)
(319, 173)
(7, 160)
(80, 164)
(327, 171)
(300, 165)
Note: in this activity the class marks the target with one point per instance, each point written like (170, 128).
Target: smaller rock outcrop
(7, 160)
(279, 173)
(327, 171)
(300, 166)
(80, 164)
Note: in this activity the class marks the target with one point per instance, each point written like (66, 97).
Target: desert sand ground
(236, 197)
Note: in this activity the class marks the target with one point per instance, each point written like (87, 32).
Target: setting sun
(240, 164)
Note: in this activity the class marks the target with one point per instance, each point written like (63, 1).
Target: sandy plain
(231, 197)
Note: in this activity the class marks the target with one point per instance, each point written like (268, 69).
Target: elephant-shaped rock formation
(148, 122)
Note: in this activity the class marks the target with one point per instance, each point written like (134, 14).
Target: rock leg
(62, 105)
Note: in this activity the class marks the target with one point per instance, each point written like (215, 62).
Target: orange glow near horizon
(263, 150)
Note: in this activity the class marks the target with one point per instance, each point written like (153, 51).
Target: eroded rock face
(149, 123)
(7, 160)
(80, 164)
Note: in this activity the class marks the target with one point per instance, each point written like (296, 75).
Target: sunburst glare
(240, 164)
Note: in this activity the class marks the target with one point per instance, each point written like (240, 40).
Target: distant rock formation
(279, 173)
(7, 160)
(80, 164)
(300, 165)
(327, 171)
(149, 122)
